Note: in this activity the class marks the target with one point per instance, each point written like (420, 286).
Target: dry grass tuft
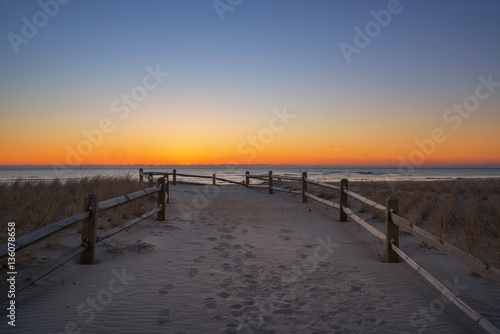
(445, 215)
(421, 208)
(117, 246)
(141, 246)
(494, 221)
(380, 198)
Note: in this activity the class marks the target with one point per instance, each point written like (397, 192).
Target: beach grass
(465, 213)
(33, 205)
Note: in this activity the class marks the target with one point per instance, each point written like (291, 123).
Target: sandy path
(243, 261)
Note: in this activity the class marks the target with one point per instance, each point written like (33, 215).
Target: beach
(235, 260)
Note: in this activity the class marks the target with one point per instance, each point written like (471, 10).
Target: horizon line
(249, 165)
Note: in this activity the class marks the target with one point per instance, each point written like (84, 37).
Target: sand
(237, 260)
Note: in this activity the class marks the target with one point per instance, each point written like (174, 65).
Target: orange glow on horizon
(304, 141)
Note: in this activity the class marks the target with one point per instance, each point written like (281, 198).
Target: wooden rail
(466, 259)
(229, 181)
(45, 270)
(120, 228)
(265, 178)
(391, 239)
(393, 221)
(286, 178)
(86, 249)
(321, 184)
(174, 175)
(391, 236)
(29, 239)
(479, 319)
(117, 201)
(324, 201)
(196, 176)
(367, 226)
(291, 191)
(38, 235)
(365, 200)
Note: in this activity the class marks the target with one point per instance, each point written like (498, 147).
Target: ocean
(238, 173)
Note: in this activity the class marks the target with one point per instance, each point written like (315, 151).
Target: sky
(298, 82)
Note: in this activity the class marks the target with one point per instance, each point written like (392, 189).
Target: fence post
(150, 178)
(174, 177)
(271, 182)
(167, 187)
(89, 229)
(304, 187)
(391, 231)
(247, 178)
(344, 185)
(213, 179)
(141, 178)
(161, 199)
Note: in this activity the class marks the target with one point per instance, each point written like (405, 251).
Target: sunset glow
(171, 83)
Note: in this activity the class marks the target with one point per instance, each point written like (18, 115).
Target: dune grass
(465, 213)
(36, 204)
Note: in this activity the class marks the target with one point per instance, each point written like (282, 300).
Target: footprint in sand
(250, 255)
(226, 266)
(302, 255)
(223, 295)
(232, 328)
(221, 317)
(165, 317)
(222, 246)
(192, 272)
(236, 306)
(284, 237)
(225, 283)
(212, 238)
(199, 258)
(165, 289)
(209, 303)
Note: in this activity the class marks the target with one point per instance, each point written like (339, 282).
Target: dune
(238, 260)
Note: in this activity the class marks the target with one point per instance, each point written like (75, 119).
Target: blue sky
(264, 54)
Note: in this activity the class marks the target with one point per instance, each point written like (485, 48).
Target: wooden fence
(89, 217)
(150, 176)
(391, 235)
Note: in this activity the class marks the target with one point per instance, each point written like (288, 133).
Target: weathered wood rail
(214, 178)
(391, 237)
(89, 217)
